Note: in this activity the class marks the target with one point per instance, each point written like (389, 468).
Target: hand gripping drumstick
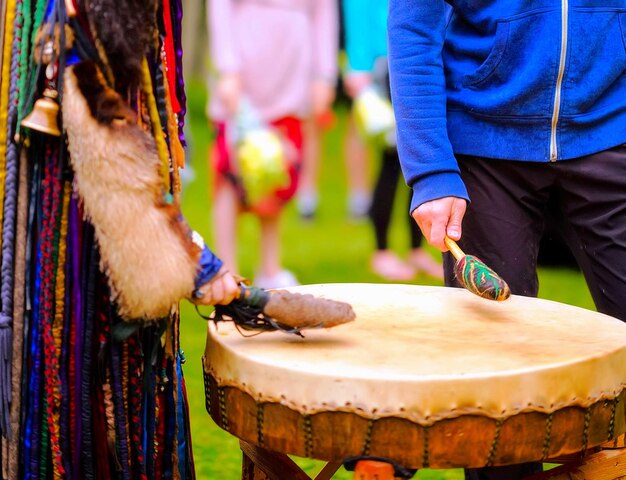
(477, 277)
(258, 309)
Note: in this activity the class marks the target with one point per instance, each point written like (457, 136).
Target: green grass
(329, 249)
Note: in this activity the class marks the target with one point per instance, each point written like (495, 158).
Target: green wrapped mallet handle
(253, 296)
(475, 276)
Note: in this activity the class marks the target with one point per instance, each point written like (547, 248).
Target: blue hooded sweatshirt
(530, 80)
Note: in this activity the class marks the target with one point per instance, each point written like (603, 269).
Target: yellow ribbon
(176, 149)
(157, 129)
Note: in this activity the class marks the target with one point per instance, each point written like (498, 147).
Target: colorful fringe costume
(94, 252)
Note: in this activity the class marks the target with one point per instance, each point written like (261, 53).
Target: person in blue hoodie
(502, 105)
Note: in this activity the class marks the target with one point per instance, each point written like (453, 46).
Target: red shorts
(291, 129)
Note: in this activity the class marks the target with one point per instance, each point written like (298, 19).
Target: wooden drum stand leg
(261, 464)
(608, 463)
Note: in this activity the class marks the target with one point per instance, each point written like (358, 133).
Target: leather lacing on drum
(308, 436)
(207, 393)
(586, 429)
(548, 434)
(368, 438)
(221, 393)
(259, 424)
(426, 461)
(612, 421)
(494, 443)
(220, 414)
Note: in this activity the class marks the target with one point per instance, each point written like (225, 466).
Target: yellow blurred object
(374, 117)
(263, 163)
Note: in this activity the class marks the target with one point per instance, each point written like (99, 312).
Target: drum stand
(608, 462)
(262, 464)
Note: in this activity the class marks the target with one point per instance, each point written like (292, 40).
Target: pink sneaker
(282, 279)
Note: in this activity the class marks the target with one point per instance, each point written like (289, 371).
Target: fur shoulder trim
(146, 249)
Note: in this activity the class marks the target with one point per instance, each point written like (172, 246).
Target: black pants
(383, 200)
(505, 221)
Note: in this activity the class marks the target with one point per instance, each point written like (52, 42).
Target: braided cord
(7, 45)
(159, 432)
(57, 328)
(109, 411)
(50, 249)
(180, 82)
(176, 149)
(135, 418)
(74, 245)
(31, 394)
(3, 15)
(28, 74)
(125, 402)
(23, 56)
(39, 433)
(40, 9)
(19, 294)
(121, 432)
(7, 232)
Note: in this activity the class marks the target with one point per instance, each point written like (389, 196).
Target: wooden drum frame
(428, 377)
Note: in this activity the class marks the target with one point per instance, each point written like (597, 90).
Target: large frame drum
(426, 376)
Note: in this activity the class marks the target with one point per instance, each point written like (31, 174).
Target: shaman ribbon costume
(95, 254)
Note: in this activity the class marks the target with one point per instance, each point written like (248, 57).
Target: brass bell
(44, 116)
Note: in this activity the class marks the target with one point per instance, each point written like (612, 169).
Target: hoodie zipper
(554, 154)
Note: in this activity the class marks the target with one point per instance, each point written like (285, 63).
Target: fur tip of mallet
(304, 311)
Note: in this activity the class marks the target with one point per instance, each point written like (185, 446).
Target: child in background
(365, 23)
(356, 156)
(280, 58)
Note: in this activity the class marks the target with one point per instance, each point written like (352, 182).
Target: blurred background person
(356, 153)
(308, 192)
(365, 23)
(276, 61)
(357, 162)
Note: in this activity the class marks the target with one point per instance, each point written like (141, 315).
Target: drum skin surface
(427, 376)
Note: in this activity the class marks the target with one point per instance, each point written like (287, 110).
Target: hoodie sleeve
(416, 30)
(208, 266)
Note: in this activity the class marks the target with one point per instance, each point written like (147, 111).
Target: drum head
(428, 354)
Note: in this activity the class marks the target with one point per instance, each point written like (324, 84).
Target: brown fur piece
(126, 30)
(146, 251)
(105, 104)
